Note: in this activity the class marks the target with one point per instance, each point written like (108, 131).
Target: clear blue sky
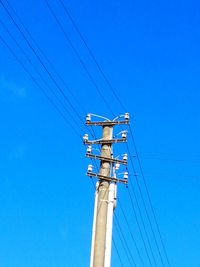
(150, 52)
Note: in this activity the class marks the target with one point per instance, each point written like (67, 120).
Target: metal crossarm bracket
(124, 162)
(106, 178)
(106, 123)
(112, 141)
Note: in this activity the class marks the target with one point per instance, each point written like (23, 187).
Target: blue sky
(149, 50)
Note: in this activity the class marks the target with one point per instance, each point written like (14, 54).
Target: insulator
(125, 157)
(85, 137)
(126, 116)
(125, 175)
(90, 168)
(117, 165)
(89, 149)
(123, 135)
(88, 117)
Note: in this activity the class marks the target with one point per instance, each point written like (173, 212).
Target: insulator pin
(90, 167)
(89, 149)
(85, 137)
(125, 175)
(88, 117)
(125, 157)
(126, 116)
(123, 135)
(117, 165)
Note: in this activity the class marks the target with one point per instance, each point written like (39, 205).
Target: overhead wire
(39, 86)
(117, 251)
(154, 213)
(145, 208)
(41, 62)
(148, 196)
(44, 66)
(91, 54)
(75, 51)
(123, 241)
(140, 229)
(123, 107)
(36, 70)
(78, 56)
(45, 57)
(131, 234)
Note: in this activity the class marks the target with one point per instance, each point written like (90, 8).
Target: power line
(41, 62)
(36, 70)
(38, 85)
(140, 230)
(45, 57)
(76, 114)
(84, 66)
(91, 54)
(78, 56)
(113, 91)
(123, 107)
(131, 234)
(45, 68)
(52, 66)
(149, 198)
(119, 257)
(34, 53)
(145, 207)
(123, 241)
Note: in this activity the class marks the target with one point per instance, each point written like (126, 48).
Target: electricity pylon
(106, 186)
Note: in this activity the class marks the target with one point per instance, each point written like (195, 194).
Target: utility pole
(102, 202)
(105, 195)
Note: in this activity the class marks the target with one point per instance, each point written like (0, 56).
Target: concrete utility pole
(105, 195)
(102, 202)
